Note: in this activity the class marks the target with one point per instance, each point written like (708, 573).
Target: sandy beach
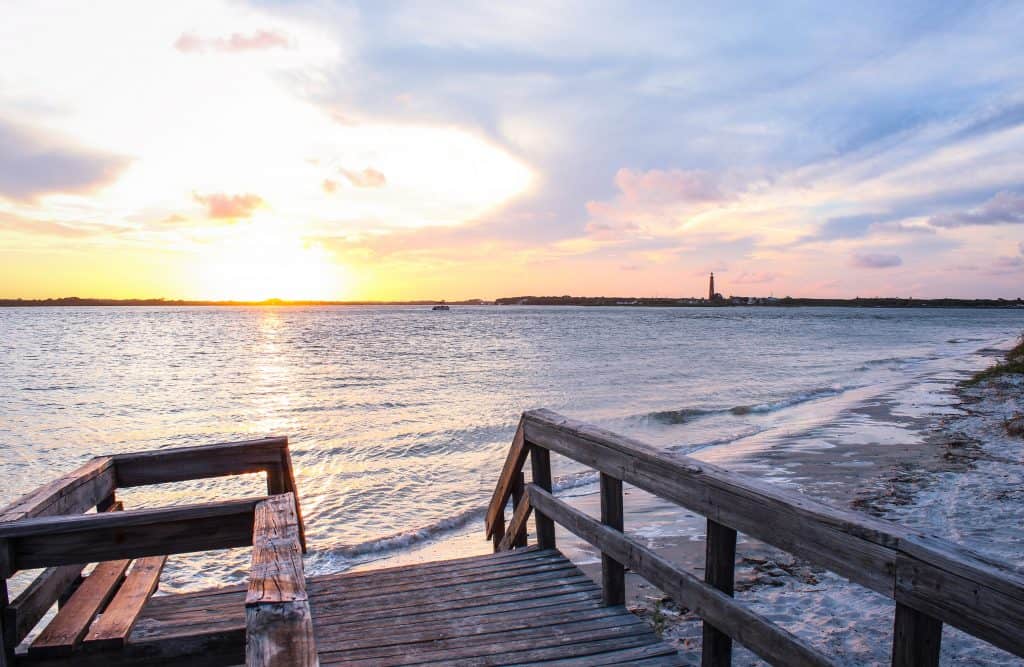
(963, 482)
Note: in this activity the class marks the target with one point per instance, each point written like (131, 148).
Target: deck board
(528, 606)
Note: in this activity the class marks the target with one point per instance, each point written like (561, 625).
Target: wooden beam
(279, 623)
(613, 574)
(180, 464)
(719, 571)
(916, 639)
(518, 489)
(936, 577)
(54, 584)
(540, 461)
(89, 538)
(513, 464)
(76, 492)
(517, 525)
(757, 633)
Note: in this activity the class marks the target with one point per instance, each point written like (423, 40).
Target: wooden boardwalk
(513, 608)
(520, 605)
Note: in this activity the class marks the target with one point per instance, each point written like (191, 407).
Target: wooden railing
(48, 527)
(932, 581)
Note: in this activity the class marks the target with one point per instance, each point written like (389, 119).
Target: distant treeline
(76, 301)
(878, 302)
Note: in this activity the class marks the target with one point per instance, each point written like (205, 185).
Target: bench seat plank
(66, 630)
(113, 626)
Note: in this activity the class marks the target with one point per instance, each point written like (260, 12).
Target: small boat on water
(441, 306)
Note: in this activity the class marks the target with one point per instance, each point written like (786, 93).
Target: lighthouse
(711, 287)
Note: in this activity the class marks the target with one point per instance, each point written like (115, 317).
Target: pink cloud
(1005, 208)
(236, 43)
(329, 186)
(367, 178)
(664, 186)
(221, 206)
(755, 277)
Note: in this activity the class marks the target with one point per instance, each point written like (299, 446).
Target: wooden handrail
(754, 631)
(932, 580)
(279, 624)
(78, 491)
(90, 538)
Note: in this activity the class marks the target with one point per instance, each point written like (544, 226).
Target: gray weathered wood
(613, 574)
(916, 639)
(513, 464)
(761, 636)
(943, 580)
(517, 526)
(279, 623)
(540, 462)
(719, 571)
(62, 540)
(180, 464)
(518, 489)
(78, 491)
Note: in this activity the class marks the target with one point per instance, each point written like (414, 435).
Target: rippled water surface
(399, 418)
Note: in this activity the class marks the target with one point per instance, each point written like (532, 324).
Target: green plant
(1012, 364)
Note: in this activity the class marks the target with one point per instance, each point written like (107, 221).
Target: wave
(686, 415)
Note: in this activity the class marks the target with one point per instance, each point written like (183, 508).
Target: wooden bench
(102, 611)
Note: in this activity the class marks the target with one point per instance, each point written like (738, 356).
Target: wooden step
(66, 630)
(114, 625)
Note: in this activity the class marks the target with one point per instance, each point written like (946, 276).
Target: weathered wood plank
(761, 636)
(613, 574)
(73, 493)
(513, 464)
(540, 461)
(277, 574)
(112, 628)
(180, 464)
(65, 631)
(62, 540)
(292, 485)
(953, 585)
(517, 526)
(52, 585)
(279, 634)
(278, 620)
(719, 571)
(518, 489)
(916, 639)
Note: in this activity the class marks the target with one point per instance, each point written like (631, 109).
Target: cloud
(221, 206)
(755, 277)
(1009, 262)
(51, 228)
(260, 40)
(367, 178)
(1005, 208)
(846, 227)
(876, 260)
(31, 166)
(329, 186)
(1020, 247)
(659, 186)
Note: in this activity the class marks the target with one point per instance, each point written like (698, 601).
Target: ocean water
(399, 417)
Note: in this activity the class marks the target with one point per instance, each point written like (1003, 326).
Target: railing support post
(540, 461)
(916, 638)
(518, 487)
(613, 574)
(719, 571)
(499, 531)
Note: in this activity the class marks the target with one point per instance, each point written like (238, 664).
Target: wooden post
(540, 461)
(8, 630)
(517, 497)
(719, 571)
(498, 534)
(916, 638)
(613, 574)
(107, 503)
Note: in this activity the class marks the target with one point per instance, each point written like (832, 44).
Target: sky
(389, 150)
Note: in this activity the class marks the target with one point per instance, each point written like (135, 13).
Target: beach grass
(1012, 364)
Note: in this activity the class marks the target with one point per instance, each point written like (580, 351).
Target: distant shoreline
(622, 302)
